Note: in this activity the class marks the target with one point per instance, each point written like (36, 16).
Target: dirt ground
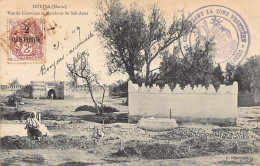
(71, 139)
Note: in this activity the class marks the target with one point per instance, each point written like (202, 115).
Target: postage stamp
(26, 38)
(227, 29)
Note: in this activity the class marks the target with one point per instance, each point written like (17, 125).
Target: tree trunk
(147, 78)
(132, 77)
(93, 99)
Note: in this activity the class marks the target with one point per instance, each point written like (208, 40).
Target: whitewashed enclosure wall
(198, 102)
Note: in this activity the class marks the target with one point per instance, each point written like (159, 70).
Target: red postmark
(26, 39)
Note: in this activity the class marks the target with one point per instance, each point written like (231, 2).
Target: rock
(110, 138)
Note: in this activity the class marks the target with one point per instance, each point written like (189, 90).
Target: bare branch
(80, 70)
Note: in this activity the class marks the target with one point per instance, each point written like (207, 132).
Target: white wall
(198, 102)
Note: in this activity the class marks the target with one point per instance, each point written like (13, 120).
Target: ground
(71, 139)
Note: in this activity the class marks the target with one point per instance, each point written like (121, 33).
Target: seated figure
(32, 126)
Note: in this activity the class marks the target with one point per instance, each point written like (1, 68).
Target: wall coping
(223, 89)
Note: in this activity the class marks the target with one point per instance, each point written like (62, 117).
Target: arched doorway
(51, 94)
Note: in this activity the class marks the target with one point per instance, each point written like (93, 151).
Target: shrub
(13, 99)
(106, 109)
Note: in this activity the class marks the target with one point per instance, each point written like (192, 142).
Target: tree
(13, 100)
(194, 69)
(248, 77)
(229, 74)
(241, 78)
(170, 68)
(80, 72)
(131, 42)
(252, 72)
(14, 82)
(218, 74)
(217, 77)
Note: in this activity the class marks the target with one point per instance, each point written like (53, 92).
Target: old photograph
(129, 82)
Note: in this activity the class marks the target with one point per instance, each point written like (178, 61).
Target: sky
(67, 25)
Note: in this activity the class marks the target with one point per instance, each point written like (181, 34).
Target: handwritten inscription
(45, 69)
(66, 38)
(90, 35)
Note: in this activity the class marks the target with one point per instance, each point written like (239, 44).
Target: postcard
(130, 82)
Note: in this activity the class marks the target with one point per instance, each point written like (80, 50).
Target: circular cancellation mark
(227, 29)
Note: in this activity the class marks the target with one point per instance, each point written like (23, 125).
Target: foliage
(14, 82)
(133, 38)
(106, 109)
(248, 75)
(196, 68)
(119, 89)
(228, 77)
(13, 99)
(80, 72)
(217, 77)
(177, 70)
